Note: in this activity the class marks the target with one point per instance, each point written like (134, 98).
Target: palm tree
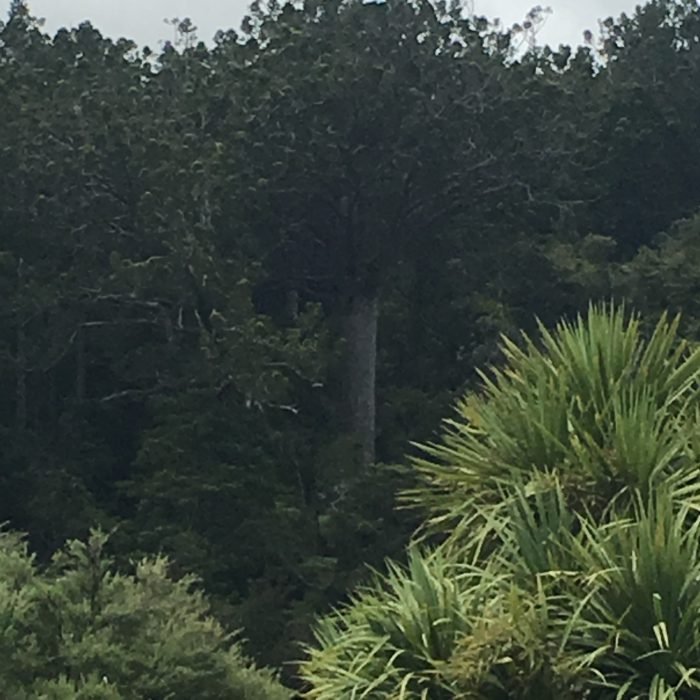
(565, 494)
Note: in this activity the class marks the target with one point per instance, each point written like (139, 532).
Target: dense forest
(242, 287)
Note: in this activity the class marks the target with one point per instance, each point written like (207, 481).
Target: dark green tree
(646, 146)
(81, 629)
(366, 131)
(124, 328)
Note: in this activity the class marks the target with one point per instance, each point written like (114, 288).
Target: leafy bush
(607, 411)
(639, 629)
(397, 634)
(566, 497)
(79, 629)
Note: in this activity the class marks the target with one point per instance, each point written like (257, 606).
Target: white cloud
(569, 18)
(142, 20)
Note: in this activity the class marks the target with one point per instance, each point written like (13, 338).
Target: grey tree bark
(21, 360)
(80, 364)
(21, 385)
(360, 330)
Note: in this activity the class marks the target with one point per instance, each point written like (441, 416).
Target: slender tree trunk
(21, 359)
(53, 401)
(21, 385)
(80, 364)
(360, 330)
(292, 305)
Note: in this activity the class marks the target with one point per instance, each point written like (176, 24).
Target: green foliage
(139, 381)
(80, 629)
(179, 234)
(566, 499)
(437, 629)
(396, 636)
(644, 140)
(640, 625)
(665, 275)
(595, 403)
(348, 89)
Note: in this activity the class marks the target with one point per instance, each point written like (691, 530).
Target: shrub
(80, 629)
(565, 496)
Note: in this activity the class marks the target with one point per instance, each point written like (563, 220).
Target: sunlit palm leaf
(593, 401)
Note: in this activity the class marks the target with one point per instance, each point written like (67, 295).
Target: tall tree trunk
(80, 364)
(292, 305)
(360, 330)
(21, 358)
(53, 402)
(21, 385)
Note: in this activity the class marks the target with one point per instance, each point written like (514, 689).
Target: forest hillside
(241, 285)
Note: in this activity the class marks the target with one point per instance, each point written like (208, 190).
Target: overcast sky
(142, 20)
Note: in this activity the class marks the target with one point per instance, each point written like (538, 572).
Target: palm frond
(593, 401)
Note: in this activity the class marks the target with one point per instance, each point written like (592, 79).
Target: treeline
(236, 281)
